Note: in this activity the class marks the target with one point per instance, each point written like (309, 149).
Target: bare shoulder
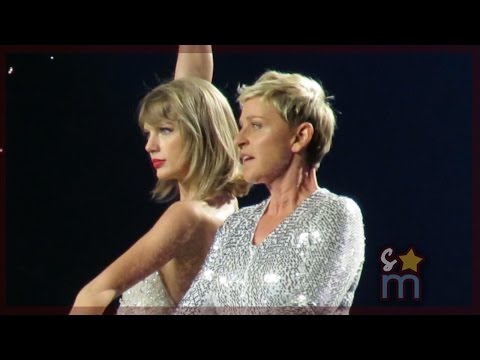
(191, 226)
(181, 222)
(189, 213)
(187, 208)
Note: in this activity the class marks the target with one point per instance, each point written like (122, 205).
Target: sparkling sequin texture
(311, 263)
(148, 297)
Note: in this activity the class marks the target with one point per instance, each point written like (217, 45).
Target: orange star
(410, 260)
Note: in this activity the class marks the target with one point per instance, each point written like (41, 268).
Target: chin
(163, 176)
(251, 179)
(248, 178)
(167, 176)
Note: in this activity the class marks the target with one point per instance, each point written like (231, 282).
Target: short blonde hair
(298, 99)
(207, 126)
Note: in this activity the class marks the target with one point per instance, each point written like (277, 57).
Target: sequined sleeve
(334, 270)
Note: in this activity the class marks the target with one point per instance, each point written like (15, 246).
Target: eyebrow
(159, 124)
(251, 117)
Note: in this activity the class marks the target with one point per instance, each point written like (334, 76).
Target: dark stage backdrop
(78, 178)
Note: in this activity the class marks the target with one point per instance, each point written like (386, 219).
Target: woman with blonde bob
(301, 251)
(190, 128)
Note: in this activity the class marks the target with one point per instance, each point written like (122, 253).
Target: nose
(152, 144)
(240, 139)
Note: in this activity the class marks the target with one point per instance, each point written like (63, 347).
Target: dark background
(78, 178)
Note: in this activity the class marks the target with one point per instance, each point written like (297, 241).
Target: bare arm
(157, 247)
(194, 61)
(197, 300)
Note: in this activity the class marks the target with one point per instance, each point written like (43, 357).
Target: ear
(302, 137)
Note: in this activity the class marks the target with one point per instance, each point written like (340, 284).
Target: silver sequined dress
(148, 297)
(311, 263)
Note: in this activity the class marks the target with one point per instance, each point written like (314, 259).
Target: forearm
(89, 302)
(195, 61)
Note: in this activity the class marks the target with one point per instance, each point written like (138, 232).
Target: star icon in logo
(410, 260)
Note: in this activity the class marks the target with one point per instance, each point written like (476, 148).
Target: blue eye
(165, 130)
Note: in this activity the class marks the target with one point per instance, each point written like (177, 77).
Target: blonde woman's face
(265, 142)
(165, 146)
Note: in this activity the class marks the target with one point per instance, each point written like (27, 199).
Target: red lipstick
(157, 164)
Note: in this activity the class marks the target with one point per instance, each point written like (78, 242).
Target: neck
(287, 193)
(183, 191)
